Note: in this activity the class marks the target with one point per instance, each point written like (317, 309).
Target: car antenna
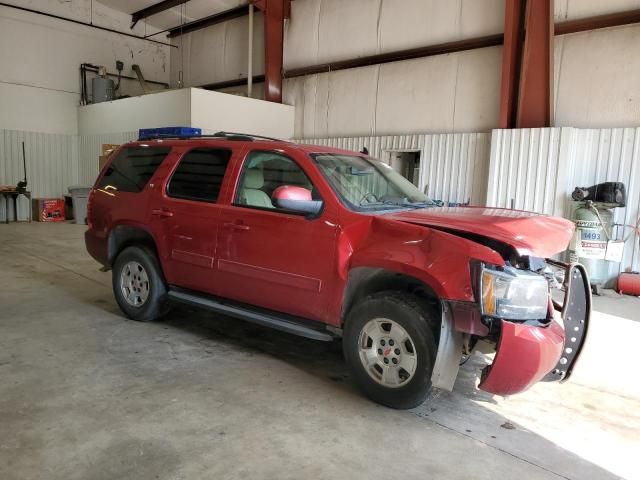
(364, 151)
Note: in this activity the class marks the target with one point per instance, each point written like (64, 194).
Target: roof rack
(235, 136)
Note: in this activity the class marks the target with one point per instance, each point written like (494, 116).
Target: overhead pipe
(154, 9)
(79, 22)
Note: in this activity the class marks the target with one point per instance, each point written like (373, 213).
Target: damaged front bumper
(527, 353)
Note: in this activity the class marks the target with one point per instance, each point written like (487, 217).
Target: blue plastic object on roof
(147, 133)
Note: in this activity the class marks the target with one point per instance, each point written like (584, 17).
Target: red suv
(327, 243)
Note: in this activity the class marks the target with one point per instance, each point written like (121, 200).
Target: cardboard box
(48, 209)
(107, 150)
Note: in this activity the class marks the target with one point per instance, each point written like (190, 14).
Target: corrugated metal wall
(453, 167)
(54, 162)
(537, 169)
(525, 169)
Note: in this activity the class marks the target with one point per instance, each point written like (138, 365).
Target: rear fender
(123, 236)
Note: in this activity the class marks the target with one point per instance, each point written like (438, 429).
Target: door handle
(237, 226)
(161, 213)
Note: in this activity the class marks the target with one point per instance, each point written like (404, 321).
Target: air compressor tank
(102, 87)
(589, 244)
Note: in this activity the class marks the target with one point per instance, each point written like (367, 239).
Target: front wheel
(138, 284)
(390, 348)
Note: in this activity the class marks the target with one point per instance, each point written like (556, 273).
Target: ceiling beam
(237, 82)
(601, 21)
(214, 19)
(420, 52)
(153, 9)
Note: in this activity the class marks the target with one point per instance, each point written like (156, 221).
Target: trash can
(79, 198)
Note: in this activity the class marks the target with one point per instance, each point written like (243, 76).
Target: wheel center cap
(387, 351)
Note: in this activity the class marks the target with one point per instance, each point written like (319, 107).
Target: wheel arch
(124, 236)
(364, 280)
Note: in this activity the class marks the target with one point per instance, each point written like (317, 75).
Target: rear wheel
(390, 348)
(138, 284)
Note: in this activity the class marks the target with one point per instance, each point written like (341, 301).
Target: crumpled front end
(528, 352)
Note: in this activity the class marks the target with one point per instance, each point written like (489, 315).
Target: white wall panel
(524, 170)
(453, 167)
(596, 78)
(537, 169)
(330, 30)
(455, 93)
(574, 9)
(220, 111)
(41, 57)
(52, 162)
(163, 109)
(218, 53)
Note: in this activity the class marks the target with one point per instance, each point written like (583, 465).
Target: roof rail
(242, 137)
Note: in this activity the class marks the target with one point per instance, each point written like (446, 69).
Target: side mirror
(296, 199)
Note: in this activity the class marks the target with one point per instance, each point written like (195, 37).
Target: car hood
(529, 233)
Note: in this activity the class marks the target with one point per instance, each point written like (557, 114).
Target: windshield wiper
(417, 205)
(386, 203)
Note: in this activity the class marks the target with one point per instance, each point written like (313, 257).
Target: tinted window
(199, 175)
(133, 167)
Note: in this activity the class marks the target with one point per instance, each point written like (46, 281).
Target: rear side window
(199, 175)
(132, 168)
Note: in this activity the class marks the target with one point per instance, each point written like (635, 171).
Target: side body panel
(275, 260)
(185, 231)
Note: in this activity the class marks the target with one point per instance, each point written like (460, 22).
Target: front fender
(439, 259)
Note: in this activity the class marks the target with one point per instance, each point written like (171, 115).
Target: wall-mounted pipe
(143, 84)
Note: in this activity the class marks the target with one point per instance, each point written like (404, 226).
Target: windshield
(365, 184)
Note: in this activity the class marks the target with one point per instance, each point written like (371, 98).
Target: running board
(261, 318)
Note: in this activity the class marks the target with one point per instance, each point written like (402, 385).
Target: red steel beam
(511, 58)
(274, 15)
(397, 56)
(594, 23)
(534, 96)
(154, 9)
(216, 18)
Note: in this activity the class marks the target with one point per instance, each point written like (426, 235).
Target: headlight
(514, 294)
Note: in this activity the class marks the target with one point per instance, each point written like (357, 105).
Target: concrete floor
(87, 394)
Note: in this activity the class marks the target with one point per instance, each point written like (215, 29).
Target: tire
(148, 294)
(370, 318)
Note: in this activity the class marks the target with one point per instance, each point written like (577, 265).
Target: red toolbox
(48, 209)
